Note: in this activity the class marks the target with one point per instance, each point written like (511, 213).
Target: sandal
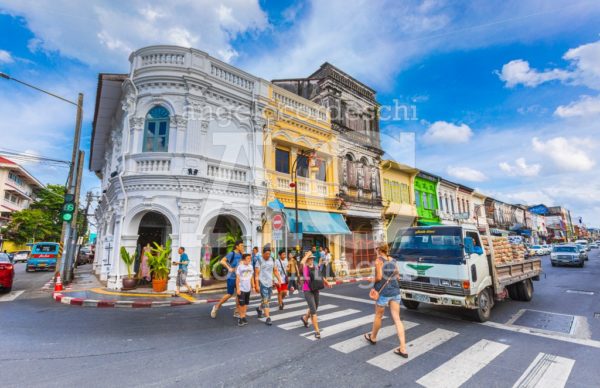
(399, 353)
(368, 338)
(318, 335)
(304, 321)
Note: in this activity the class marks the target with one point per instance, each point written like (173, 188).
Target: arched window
(156, 130)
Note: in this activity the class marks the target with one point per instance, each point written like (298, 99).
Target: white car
(537, 250)
(594, 245)
(20, 256)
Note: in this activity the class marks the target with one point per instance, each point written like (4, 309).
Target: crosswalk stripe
(359, 341)
(322, 318)
(297, 313)
(459, 369)
(340, 327)
(287, 307)
(547, 370)
(390, 361)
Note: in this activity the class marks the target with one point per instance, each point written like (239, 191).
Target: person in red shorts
(282, 267)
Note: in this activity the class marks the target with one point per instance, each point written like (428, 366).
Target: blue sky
(507, 93)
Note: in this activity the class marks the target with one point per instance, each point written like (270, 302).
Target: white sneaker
(213, 312)
(236, 314)
(295, 292)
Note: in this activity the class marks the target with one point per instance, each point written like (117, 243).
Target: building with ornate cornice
(354, 117)
(177, 145)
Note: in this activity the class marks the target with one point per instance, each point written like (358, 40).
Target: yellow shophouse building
(398, 197)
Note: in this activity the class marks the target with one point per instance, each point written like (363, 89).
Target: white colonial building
(177, 144)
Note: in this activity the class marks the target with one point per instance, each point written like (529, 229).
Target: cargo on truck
(456, 266)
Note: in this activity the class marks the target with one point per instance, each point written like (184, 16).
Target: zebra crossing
(543, 371)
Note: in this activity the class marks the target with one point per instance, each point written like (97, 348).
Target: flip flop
(368, 338)
(304, 322)
(318, 335)
(399, 353)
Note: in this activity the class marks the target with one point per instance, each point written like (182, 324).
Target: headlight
(456, 283)
(444, 282)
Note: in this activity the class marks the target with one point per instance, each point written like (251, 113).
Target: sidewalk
(87, 291)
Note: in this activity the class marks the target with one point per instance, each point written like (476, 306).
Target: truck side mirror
(469, 245)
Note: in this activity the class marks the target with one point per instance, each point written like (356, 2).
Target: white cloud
(466, 174)
(567, 155)
(444, 132)
(584, 69)
(104, 33)
(6, 57)
(520, 168)
(518, 72)
(584, 107)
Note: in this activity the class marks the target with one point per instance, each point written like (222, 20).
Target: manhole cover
(546, 321)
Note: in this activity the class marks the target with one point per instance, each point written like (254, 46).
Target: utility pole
(73, 183)
(72, 250)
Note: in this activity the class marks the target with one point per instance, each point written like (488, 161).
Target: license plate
(42, 264)
(421, 298)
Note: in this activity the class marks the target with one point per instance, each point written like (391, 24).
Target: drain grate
(546, 321)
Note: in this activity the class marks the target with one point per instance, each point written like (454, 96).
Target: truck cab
(447, 265)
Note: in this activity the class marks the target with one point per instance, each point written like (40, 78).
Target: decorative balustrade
(299, 105)
(163, 59)
(153, 165)
(305, 186)
(226, 173)
(230, 77)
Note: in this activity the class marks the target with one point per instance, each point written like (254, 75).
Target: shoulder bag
(374, 294)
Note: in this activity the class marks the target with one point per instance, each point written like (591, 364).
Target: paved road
(27, 284)
(57, 345)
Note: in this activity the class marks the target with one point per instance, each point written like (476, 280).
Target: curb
(61, 298)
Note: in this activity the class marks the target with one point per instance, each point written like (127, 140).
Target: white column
(173, 274)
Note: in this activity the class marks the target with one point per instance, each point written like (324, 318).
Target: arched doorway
(154, 228)
(221, 233)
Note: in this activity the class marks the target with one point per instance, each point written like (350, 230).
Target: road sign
(278, 235)
(277, 222)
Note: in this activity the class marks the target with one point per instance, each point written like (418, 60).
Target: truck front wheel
(410, 304)
(484, 306)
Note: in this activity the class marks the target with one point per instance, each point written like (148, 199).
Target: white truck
(446, 265)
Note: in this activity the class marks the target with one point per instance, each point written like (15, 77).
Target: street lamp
(73, 183)
(294, 183)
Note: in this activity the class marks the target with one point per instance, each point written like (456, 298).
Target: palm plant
(128, 260)
(233, 234)
(159, 261)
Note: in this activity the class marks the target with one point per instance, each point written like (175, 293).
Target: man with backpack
(230, 261)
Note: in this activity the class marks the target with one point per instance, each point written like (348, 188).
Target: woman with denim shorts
(386, 282)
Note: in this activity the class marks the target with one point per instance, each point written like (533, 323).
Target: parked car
(20, 256)
(594, 245)
(585, 244)
(567, 255)
(547, 249)
(43, 256)
(583, 250)
(7, 273)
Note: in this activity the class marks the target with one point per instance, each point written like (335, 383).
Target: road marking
(257, 301)
(349, 298)
(256, 304)
(297, 313)
(359, 341)
(547, 370)
(322, 318)
(340, 327)
(580, 292)
(189, 298)
(459, 369)
(11, 296)
(287, 307)
(390, 361)
(518, 329)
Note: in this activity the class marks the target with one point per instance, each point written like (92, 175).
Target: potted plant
(159, 261)
(129, 282)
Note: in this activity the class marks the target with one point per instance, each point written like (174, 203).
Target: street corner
(102, 298)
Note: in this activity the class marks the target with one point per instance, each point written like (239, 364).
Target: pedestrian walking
(182, 271)
(293, 273)
(326, 263)
(282, 288)
(230, 261)
(386, 290)
(263, 272)
(244, 284)
(313, 283)
(255, 256)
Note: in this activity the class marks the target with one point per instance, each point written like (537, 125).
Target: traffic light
(68, 208)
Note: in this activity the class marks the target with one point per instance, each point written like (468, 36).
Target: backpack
(316, 281)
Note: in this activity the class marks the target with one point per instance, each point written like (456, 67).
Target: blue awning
(315, 222)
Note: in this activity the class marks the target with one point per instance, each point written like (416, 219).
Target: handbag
(315, 283)
(373, 293)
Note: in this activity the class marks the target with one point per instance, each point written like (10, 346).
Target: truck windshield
(565, 249)
(441, 245)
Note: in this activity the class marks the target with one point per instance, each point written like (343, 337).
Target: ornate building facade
(177, 145)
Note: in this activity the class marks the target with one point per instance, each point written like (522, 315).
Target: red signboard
(277, 222)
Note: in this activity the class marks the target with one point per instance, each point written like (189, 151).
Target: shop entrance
(154, 228)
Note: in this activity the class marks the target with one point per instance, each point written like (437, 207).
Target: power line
(30, 157)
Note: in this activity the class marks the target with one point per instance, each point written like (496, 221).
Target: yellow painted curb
(101, 291)
(187, 297)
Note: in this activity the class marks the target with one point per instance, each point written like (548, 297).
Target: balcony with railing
(226, 173)
(299, 105)
(306, 186)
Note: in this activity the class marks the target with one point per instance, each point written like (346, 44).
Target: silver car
(567, 255)
(583, 250)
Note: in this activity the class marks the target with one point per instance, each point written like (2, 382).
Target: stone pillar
(173, 274)
(136, 135)
(116, 269)
(106, 257)
(378, 230)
